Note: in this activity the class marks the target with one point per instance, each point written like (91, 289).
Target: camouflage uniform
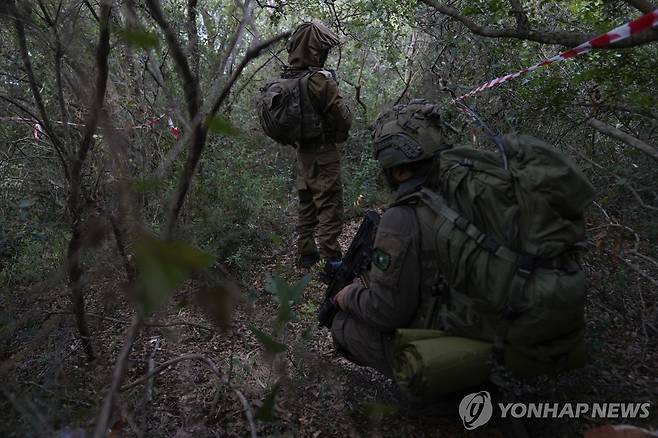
(400, 287)
(318, 163)
(403, 276)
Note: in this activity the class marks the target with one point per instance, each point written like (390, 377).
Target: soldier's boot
(306, 261)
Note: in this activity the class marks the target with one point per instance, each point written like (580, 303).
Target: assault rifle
(339, 274)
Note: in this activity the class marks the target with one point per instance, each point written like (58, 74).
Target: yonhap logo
(476, 409)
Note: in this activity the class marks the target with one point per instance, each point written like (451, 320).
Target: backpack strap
(305, 100)
(439, 285)
(436, 202)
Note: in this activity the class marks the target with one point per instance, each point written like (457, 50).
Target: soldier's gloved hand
(340, 296)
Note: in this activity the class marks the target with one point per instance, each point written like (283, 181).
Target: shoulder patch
(327, 74)
(381, 259)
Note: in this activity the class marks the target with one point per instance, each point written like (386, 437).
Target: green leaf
(266, 411)
(141, 38)
(295, 293)
(279, 288)
(276, 239)
(271, 346)
(163, 267)
(220, 125)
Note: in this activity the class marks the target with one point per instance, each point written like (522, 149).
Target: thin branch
(195, 357)
(635, 268)
(644, 112)
(29, 413)
(357, 94)
(193, 37)
(230, 53)
(252, 53)
(247, 81)
(520, 16)
(103, 421)
(74, 269)
(146, 324)
(189, 82)
(620, 181)
(564, 38)
(200, 132)
(641, 5)
(45, 120)
(248, 411)
(620, 135)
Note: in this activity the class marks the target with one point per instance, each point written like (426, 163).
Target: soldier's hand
(340, 296)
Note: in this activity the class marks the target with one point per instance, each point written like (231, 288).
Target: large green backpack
(285, 110)
(506, 243)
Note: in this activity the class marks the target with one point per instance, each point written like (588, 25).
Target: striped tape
(622, 32)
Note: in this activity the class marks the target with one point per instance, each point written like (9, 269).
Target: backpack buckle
(525, 265)
(462, 223)
(490, 244)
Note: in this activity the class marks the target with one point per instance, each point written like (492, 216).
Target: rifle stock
(356, 261)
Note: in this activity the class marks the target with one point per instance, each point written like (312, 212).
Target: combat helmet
(408, 133)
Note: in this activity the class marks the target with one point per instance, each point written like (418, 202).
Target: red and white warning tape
(172, 128)
(37, 129)
(638, 25)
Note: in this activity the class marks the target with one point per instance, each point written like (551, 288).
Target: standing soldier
(318, 161)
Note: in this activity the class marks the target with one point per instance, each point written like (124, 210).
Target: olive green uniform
(318, 172)
(400, 290)
(318, 163)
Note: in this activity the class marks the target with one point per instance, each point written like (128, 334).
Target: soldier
(318, 162)
(407, 140)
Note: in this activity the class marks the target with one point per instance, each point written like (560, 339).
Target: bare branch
(195, 357)
(620, 135)
(146, 324)
(247, 81)
(252, 53)
(192, 36)
(211, 365)
(642, 5)
(564, 38)
(27, 63)
(189, 82)
(520, 16)
(117, 377)
(229, 54)
(200, 132)
(75, 244)
(620, 181)
(644, 112)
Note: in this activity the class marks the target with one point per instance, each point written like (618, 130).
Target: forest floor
(52, 390)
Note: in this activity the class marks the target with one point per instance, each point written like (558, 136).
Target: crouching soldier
(407, 140)
(474, 263)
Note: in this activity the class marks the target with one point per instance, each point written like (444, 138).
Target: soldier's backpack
(506, 242)
(285, 110)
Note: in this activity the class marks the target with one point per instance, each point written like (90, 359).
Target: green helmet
(408, 133)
